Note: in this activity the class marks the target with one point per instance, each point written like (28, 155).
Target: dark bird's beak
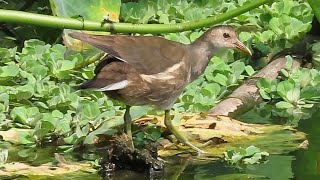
(241, 47)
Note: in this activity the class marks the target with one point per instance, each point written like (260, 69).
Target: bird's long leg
(127, 124)
(179, 136)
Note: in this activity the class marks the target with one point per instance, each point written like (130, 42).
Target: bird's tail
(87, 85)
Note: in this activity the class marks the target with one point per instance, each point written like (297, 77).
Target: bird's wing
(148, 54)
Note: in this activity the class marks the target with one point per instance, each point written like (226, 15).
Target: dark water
(301, 164)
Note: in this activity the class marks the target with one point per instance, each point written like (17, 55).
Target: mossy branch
(19, 17)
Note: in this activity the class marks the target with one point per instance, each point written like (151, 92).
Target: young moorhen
(149, 70)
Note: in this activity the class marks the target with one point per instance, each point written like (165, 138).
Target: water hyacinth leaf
(47, 125)
(6, 55)
(90, 139)
(63, 126)
(284, 105)
(289, 62)
(238, 68)
(251, 150)
(250, 71)
(305, 77)
(4, 97)
(250, 155)
(71, 139)
(19, 114)
(57, 114)
(194, 36)
(138, 111)
(89, 110)
(316, 60)
(315, 7)
(245, 36)
(82, 132)
(25, 92)
(274, 24)
(43, 129)
(156, 134)
(11, 70)
(283, 87)
(163, 18)
(265, 84)
(283, 7)
(285, 72)
(212, 88)
(221, 79)
(310, 93)
(236, 158)
(293, 95)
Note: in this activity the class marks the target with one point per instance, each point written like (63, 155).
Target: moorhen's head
(224, 36)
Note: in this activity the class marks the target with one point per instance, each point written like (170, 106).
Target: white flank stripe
(166, 75)
(115, 86)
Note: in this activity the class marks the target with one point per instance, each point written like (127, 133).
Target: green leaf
(274, 24)
(283, 87)
(293, 95)
(236, 158)
(89, 110)
(285, 72)
(289, 62)
(310, 93)
(251, 150)
(11, 70)
(25, 92)
(19, 114)
(265, 84)
(245, 36)
(79, 132)
(221, 79)
(315, 7)
(264, 94)
(57, 114)
(284, 105)
(250, 71)
(138, 111)
(163, 18)
(305, 77)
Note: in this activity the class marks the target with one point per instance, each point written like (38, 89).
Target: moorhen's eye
(226, 35)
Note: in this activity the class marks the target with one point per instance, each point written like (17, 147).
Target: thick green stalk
(18, 17)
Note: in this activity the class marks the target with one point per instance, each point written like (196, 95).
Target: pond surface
(299, 164)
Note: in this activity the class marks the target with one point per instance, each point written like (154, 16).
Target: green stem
(90, 60)
(19, 17)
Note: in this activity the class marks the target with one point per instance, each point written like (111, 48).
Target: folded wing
(148, 54)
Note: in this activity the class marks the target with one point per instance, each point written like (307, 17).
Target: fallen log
(246, 96)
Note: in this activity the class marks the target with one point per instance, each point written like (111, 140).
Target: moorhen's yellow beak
(241, 47)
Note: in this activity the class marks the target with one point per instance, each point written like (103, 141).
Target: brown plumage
(140, 70)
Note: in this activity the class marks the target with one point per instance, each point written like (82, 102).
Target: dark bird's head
(224, 36)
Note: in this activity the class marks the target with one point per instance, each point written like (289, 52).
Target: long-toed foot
(178, 135)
